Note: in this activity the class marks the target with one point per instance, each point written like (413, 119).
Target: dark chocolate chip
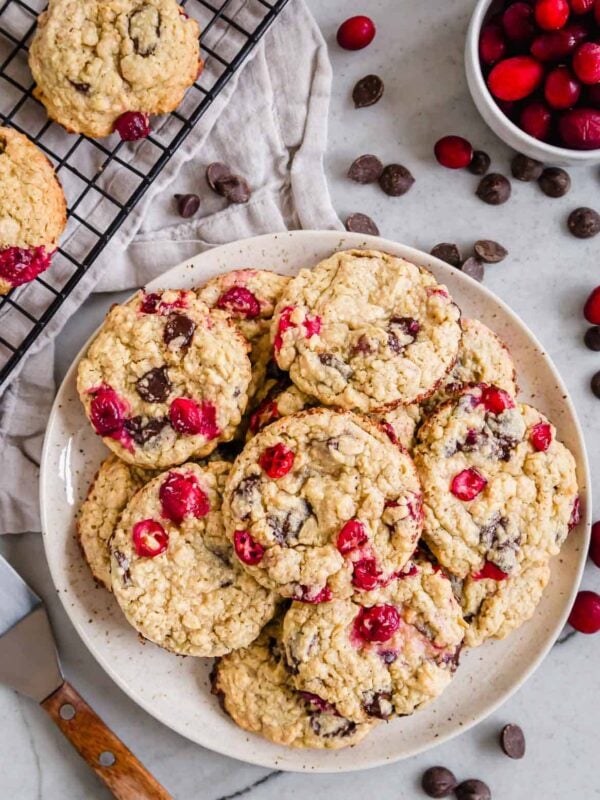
(216, 172)
(524, 168)
(584, 222)
(474, 268)
(592, 338)
(234, 188)
(396, 180)
(179, 330)
(331, 360)
(494, 189)
(379, 705)
(480, 163)
(361, 223)
(123, 563)
(141, 432)
(154, 386)
(595, 384)
(388, 656)
(144, 44)
(448, 252)
(438, 782)
(187, 204)
(365, 169)
(367, 91)
(473, 789)
(489, 252)
(81, 87)
(554, 182)
(512, 741)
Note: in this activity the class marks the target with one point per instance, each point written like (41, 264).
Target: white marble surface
(418, 52)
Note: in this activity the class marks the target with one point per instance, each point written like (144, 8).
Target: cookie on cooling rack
(33, 211)
(105, 64)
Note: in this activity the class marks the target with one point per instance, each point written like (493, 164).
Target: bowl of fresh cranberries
(533, 69)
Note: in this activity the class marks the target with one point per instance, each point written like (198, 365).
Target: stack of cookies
(325, 482)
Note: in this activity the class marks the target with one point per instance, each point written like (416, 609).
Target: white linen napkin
(269, 125)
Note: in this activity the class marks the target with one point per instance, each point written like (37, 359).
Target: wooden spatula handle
(115, 764)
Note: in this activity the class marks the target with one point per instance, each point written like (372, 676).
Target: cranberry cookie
(381, 654)
(255, 688)
(98, 60)
(33, 211)
(165, 379)
(321, 503)
(173, 571)
(365, 330)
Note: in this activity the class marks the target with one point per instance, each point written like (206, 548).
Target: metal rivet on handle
(106, 758)
(66, 711)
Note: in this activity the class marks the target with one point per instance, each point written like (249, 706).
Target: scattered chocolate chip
(595, 384)
(524, 168)
(367, 91)
(494, 189)
(447, 252)
(438, 782)
(365, 169)
(512, 741)
(141, 432)
(234, 188)
(216, 172)
(187, 204)
(179, 330)
(584, 222)
(592, 338)
(361, 223)
(489, 251)
(396, 180)
(554, 182)
(474, 268)
(473, 789)
(154, 386)
(480, 163)
(81, 87)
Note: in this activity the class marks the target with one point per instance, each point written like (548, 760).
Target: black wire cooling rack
(230, 31)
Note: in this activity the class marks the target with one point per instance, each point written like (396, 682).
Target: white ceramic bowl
(497, 120)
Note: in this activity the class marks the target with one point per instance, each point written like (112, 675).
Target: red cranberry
(19, 265)
(556, 45)
(536, 120)
(107, 411)
(283, 325)
(586, 63)
(585, 614)
(453, 152)
(266, 412)
(515, 78)
(188, 417)
(247, 549)
(591, 309)
(517, 22)
(306, 594)
(579, 128)
(597, 11)
(575, 517)
(581, 6)
(595, 544)
(562, 89)
(318, 704)
(150, 539)
(356, 33)
(467, 484)
(491, 571)
(551, 14)
(312, 326)
(389, 431)
(240, 302)
(496, 400)
(366, 576)
(153, 303)
(276, 461)
(492, 46)
(351, 537)
(541, 436)
(181, 496)
(378, 623)
(132, 125)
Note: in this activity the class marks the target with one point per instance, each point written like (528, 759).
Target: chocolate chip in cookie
(154, 386)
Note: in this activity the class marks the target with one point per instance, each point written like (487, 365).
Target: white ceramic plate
(175, 690)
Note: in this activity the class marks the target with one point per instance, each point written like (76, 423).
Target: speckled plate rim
(465, 703)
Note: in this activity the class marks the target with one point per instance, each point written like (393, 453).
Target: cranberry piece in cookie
(246, 549)
(149, 538)
(378, 623)
(181, 497)
(351, 537)
(240, 302)
(188, 417)
(107, 411)
(541, 436)
(496, 400)
(490, 570)
(277, 461)
(468, 484)
(366, 575)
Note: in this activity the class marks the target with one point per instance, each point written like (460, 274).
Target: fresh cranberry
(592, 96)
(312, 326)
(575, 517)
(585, 614)
(556, 45)
(581, 6)
(283, 325)
(496, 400)
(356, 33)
(266, 412)
(276, 461)
(467, 484)
(240, 302)
(551, 14)
(107, 411)
(586, 63)
(595, 544)
(150, 539)
(378, 623)
(591, 309)
(366, 576)
(306, 594)
(536, 120)
(541, 436)
(453, 152)
(132, 125)
(181, 496)
(490, 570)
(492, 46)
(517, 22)
(351, 537)
(19, 265)
(561, 89)
(515, 78)
(188, 417)
(579, 128)
(597, 11)
(247, 549)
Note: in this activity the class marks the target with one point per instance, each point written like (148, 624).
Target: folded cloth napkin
(269, 125)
